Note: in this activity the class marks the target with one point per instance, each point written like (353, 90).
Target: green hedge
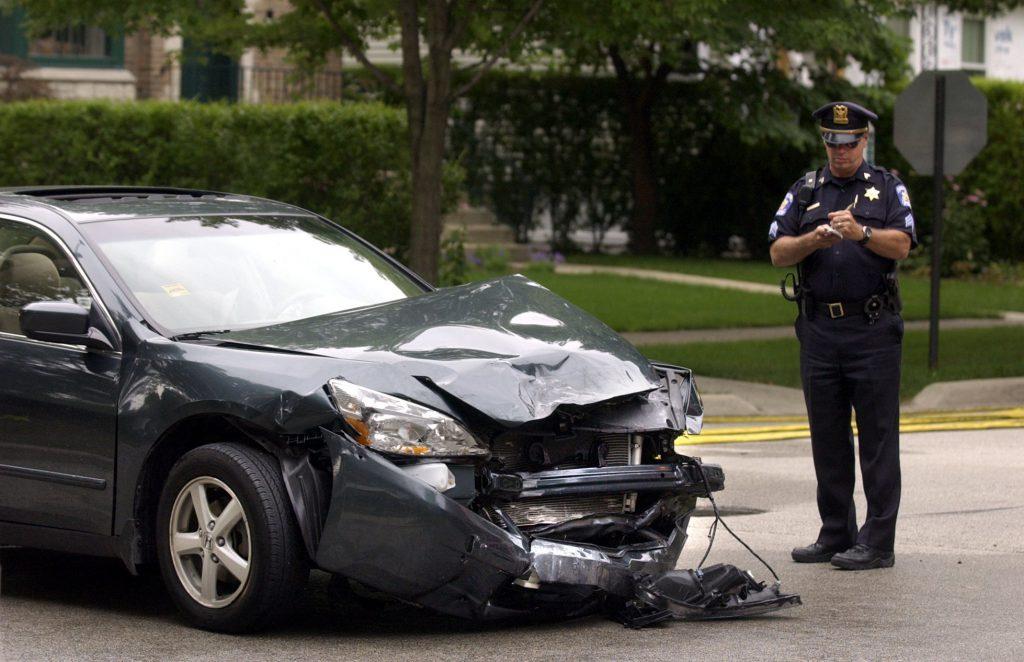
(348, 162)
(533, 143)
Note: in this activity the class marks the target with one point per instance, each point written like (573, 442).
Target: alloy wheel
(210, 542)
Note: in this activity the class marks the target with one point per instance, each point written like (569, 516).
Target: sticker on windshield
(786, 202)
(901, 191)
(176, 290)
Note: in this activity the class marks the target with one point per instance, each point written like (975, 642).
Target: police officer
(845, 226)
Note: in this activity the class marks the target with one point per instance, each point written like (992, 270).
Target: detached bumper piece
(717, 592)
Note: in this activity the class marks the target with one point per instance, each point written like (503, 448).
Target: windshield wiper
(197, 335)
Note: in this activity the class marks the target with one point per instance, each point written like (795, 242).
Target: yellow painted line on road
(990, 419)
(954, 415)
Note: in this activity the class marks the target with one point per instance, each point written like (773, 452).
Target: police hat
(843, 122)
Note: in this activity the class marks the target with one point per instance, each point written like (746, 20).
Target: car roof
(83, 204)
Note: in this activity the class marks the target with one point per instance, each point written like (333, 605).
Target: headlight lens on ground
(393, 425)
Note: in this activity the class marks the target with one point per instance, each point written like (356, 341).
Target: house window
(972, 48)
(68, 46)
(73, 41)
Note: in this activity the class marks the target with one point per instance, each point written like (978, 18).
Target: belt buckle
(835, 310)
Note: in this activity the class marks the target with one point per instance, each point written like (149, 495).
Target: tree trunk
(427, 105)
(644, 217)
(638, 99)
(427, 188)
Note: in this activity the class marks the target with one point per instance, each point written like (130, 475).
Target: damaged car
(239, 390)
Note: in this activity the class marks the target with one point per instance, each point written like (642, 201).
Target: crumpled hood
(509, 348)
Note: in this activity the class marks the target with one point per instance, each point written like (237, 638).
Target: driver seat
(25, 278)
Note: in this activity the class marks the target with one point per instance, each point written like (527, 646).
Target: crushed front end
(582, 510)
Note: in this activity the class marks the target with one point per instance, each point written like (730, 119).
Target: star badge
(871, 194)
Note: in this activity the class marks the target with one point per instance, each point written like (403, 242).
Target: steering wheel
(300, 297)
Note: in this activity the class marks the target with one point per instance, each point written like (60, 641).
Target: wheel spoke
(184, 544)
(229, 517)
(233, 563)
(208, 589)
(201, 505)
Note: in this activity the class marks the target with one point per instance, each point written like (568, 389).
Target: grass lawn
(959, 298)
(635, 304)
(963, 354)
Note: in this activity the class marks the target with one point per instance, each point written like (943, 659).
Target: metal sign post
(939, 193)
(940, 123)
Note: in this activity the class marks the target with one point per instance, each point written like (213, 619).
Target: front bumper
(402, 537)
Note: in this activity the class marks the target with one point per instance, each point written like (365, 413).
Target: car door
(57, 402)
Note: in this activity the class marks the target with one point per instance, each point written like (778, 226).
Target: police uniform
(850, 334)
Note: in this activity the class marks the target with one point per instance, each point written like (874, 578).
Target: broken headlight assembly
(400, 427)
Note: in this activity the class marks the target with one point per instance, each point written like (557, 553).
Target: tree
(644, 42)
(429, 33)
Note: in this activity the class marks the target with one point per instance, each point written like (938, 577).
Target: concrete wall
(86, 83)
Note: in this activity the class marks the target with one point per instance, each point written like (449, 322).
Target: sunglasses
(842, 146)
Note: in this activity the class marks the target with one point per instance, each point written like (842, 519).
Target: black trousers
(847, 363)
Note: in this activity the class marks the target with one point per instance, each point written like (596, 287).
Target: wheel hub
(210, 542)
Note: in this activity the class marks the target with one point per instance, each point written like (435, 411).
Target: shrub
(535, 144)
(453, 269)
(349, 162)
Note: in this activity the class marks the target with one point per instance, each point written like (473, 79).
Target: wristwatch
(867, 235)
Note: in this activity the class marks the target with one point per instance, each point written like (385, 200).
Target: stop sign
(966, 125)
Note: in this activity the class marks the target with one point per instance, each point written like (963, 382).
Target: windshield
(219, 273)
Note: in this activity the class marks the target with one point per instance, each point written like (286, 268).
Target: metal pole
(939, 193)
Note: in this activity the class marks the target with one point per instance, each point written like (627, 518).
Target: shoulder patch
(786, 203)
(901, 193)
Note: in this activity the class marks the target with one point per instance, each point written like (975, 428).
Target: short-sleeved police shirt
(846, 271)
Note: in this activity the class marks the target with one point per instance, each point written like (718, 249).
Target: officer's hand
(844, 222)
(822, 238)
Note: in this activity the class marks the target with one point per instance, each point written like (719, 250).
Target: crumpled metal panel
(616, 572)
(398, 535)
(509, 348)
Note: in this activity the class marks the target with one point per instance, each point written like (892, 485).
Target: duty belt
(871, 307)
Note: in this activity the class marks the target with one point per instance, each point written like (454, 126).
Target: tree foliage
(426, 32)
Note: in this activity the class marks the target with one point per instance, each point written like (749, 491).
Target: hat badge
(840, 114)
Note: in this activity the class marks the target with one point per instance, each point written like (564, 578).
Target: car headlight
(393, 425)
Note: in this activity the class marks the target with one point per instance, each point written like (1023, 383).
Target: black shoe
(816, 552)
(862, 557)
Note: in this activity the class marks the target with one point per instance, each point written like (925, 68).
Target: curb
(790, 427)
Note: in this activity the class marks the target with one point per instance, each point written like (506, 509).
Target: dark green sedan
(239, 390)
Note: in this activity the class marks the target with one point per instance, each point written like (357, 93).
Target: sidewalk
(776, 332)
(732, 398)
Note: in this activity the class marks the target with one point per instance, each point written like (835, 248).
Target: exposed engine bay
(561, 518)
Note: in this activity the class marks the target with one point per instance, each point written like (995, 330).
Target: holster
(892, 289)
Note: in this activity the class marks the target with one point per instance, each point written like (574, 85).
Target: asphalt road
(955, 592)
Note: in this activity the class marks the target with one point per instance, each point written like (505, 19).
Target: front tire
(228, 545)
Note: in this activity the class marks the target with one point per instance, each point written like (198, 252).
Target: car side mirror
(63, 322)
